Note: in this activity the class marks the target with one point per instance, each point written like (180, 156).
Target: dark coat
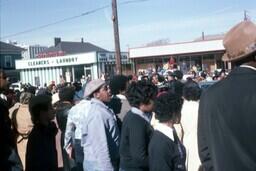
(41, 150)
(166, 154)
(135, 137)
(227, 123)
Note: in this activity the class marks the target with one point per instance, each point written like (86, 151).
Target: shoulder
(161, 143)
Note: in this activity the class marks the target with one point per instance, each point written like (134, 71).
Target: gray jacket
(101, 137)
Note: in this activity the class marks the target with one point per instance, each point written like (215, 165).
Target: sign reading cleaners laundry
(87, 58)
(56, 61)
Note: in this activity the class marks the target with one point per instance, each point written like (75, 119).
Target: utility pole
(116, 35)
(245, 16)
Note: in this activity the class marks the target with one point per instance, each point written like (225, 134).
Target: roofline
(140, 47)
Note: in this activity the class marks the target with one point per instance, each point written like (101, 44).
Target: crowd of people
(124, 123)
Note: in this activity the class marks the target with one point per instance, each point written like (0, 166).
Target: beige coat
(24, 127)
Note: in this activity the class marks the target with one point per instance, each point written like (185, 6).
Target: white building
(70, 67)
(205, 53)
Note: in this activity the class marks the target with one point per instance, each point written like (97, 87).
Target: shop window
(8, 61)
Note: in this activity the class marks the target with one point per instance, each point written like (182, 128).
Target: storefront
(205, 55)
(71, 68)
(107, 63)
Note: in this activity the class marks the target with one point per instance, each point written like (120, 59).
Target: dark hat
(92, 86)
(240, 41)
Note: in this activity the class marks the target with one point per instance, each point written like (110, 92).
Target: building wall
(32, 51)
(7, 62)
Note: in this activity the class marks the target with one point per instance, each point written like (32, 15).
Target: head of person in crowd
(44, 91)
(168, 108)
(41, 110)
(191, 91)
(77, 85)
(170, 76)
(130, 78)
(25, 97)
(67, 94)
(98, 89)
(240, 44)
(141, 95)
(3, 81)
(118, 84)
(177, 75)
(154, 78)
(176, 87)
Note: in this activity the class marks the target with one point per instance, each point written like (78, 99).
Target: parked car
(16, 86)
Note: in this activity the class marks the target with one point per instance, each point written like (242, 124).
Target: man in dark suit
(227, 111)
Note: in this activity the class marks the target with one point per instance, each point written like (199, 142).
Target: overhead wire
(67, 19)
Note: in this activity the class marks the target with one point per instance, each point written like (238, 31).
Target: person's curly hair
(118, 83)
(168, 107)
(141, 92)
(191, 91)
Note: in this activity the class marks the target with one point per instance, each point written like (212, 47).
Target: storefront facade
(203, 54)
(52, 69)
(71, 68)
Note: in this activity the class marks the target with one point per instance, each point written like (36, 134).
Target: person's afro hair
(141, 92)
(168, 107)
(191, 91)
(118, 83)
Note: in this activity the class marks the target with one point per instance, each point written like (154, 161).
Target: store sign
(56, 61)
(87, 58)
(110, 57)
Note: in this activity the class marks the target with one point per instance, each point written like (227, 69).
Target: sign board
(86, 58)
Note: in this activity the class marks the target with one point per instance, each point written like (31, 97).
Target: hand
(69, 151)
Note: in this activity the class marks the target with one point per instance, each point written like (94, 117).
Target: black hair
(141, 92)
(129, 77)
(168, 107)
(66, 94)
(176, 87)
(118, 83)
(78, 86)
(38, 104)
(177, 74)
(191, 91)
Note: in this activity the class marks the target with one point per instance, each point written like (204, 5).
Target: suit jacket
(227, 123)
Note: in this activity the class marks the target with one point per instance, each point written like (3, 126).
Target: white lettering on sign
(86, 58)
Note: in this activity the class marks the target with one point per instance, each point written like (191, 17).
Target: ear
(96, 95)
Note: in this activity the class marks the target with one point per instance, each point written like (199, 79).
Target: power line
(67, 19)
(56, 22)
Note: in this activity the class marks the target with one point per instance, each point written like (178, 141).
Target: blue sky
(139, 23)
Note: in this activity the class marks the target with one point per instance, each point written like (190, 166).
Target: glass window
(8, 61)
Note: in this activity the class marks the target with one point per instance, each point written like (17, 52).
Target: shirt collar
(165, 130)
(140, 113)
(121, 96)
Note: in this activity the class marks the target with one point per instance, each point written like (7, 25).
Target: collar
(140, 113)
(96, 101)
(248, 66)
(121, 96)
(165, 130)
